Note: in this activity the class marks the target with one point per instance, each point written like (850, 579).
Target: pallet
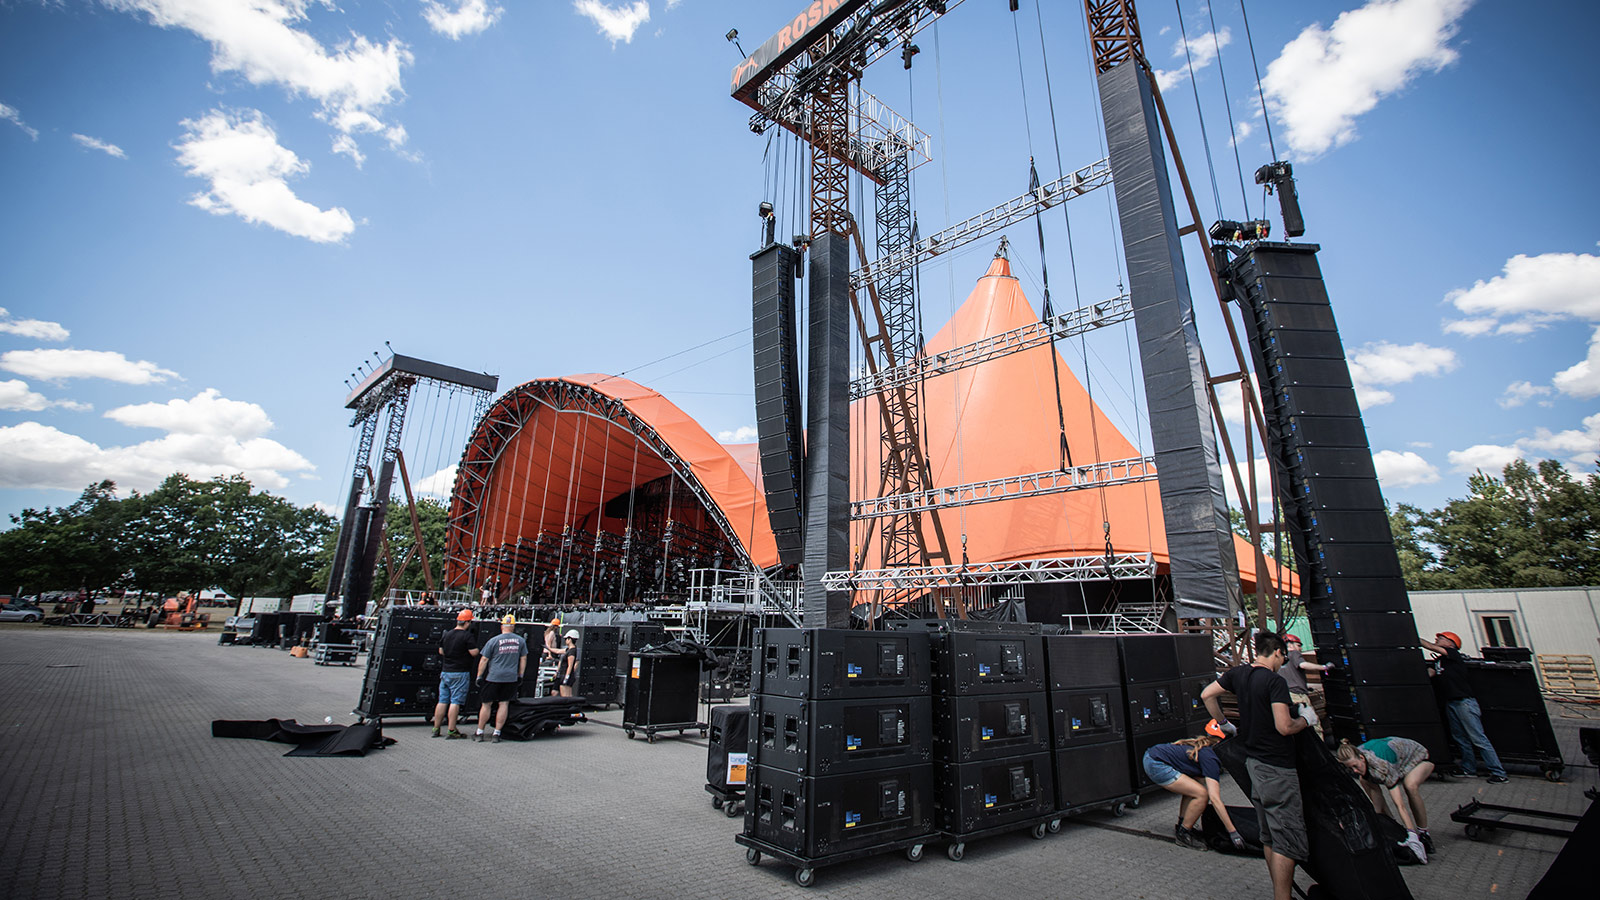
(1571, 675)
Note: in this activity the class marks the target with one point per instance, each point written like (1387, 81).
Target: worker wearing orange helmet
(455, 675)
(1181, 767)
(1461, 707)
(552, 638)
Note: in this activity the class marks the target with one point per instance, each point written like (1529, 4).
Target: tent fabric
(988, 421)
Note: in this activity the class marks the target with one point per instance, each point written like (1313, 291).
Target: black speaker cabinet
(815, 816)
(1149, 657)
(836, 663)
(414, 631)
(662, 690)
(1194, 655)
(978, 795)
(987, 726)
(728, 747)
(1091, 775)
(831, 737)
(417, 665)
(1194, 708)
(1088, 716)
(1377, 708)
(1365, 629)
(1513, 712)
(1155, 706)
(400, 700)
(967, 663)
(774, 337)
(1081, 660)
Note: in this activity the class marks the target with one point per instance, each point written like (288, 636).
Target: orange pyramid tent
(999, 419)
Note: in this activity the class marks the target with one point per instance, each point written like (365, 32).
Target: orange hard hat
(464, 616)
(1214, 729)
(1454, 638)
(555, 622)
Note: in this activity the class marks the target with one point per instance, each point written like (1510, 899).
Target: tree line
(190, 535)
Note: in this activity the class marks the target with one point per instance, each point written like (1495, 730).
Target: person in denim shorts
(1190, 769)
(456, 675)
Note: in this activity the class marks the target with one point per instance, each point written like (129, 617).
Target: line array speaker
(777, 379)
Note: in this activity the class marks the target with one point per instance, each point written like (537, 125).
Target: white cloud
(1519, 392)
(1575, 446)
(346, 145)
(468, 17)
(1403, 470)
(10, 114)
(248, 170)
(37, 329)
(615, 22)
(1383, 363)
(56, 365)
(1231, 401)
(1489, 458)
(439, 484)
(744, 434)
(1534, 292)
(97, 144)
(354, 81)
(16, 395)
(39, 456)
(1202, 52)
(1420, 445)
(1326, 77)
(207, 413)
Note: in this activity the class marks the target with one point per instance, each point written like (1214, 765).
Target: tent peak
(1001, 264)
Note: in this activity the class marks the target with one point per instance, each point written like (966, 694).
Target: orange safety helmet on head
(1454, 638)
(464, 616)
(1214, 729)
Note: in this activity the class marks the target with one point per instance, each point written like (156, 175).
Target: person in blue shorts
(455, 676)
(1189, 768)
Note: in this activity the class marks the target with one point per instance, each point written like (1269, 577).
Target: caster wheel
(752, 856)
(1039, 831)
(1135, 801)
(730, 810)
(914, 853)
(1474, 832)
(956, 851)
(1552, 775)
(649, 739)
(716, 802)
(805, 877)
(630, 735)
(702, 732)
(1055, 826)
(1119, 810)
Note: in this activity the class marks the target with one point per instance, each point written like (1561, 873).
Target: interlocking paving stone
(112, 787)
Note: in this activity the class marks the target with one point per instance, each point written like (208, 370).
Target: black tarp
(309, 740)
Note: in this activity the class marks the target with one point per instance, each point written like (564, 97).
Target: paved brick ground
(111, 787)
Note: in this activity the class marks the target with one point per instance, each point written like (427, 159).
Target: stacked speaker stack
(599, 663)
(991, 731)
(1163, 697)
(1088, 723)
(402, 676)
(840, 747)
(1355, 597)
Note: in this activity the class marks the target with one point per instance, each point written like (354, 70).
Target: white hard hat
(572, 634)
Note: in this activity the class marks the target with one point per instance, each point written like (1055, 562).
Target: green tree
(434, 520)
(76, 546)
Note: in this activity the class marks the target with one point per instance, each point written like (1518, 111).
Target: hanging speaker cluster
(777, 377)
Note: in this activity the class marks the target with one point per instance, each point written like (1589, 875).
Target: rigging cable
(944, 175)
(1266, 119)
(1194, 86)
(1233, 130)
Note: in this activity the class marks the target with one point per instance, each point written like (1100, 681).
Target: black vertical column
(778, 410)
(1205, 573)
(827, 466)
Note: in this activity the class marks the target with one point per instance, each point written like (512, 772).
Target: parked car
(20, 612)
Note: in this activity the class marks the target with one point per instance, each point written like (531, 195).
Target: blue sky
(215, 209)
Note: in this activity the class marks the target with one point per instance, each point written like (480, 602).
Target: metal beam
(1017, 209)
(1026, 571)
(1012, 487)
(1068, 324)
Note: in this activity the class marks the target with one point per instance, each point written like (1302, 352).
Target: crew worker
(567, 668)
(455, 676)
(1461, 707)
(1401, 766)
(501, 665)
(552, 639)
(1294, 672)
(1180, 767)
(1266, 725)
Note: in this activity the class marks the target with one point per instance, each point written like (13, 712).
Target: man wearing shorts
(1267, 724)
(500, 666)
(456, 675)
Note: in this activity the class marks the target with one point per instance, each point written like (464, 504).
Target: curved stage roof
(556, 451)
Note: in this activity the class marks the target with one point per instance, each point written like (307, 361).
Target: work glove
(1237, 839)
(1310, 715)
(481, 682)
(1229, 729)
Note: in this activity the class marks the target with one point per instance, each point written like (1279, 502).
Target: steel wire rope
(531, 441)
(1194, 87)
(509, 483)
(627, 528)
(580, 431)
(1266, 119)
(549, 469)
(1113, 226)
(955, 338)
(1227, 102)
(600, 510)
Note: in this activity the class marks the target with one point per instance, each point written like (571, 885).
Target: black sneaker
(496, 738)
(1187, 838)
(455, 736)
(1427, 840)
(478, 737)
(436, 731)
(1498, 779)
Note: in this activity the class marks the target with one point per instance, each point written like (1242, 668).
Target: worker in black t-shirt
(455, 676)
(1267, 722)
(1461, 707)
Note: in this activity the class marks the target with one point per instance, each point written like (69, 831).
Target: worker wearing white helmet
(567, 668)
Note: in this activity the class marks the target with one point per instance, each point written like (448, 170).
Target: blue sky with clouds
(215, 209)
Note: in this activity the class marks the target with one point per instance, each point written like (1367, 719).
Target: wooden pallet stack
(1569, 675)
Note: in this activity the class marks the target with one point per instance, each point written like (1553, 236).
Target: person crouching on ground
(1267, 724)
(567, 668)
(455, 676)
(1189, 768)
(500, 667)
(1401, 766)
